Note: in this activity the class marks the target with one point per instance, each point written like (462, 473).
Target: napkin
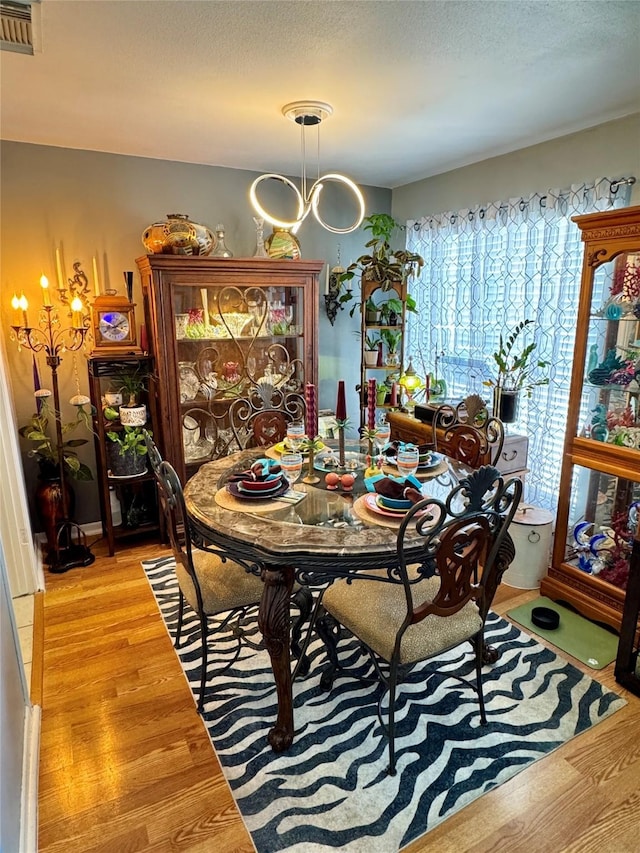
(391, 448)
(405, 490)
(261, 470)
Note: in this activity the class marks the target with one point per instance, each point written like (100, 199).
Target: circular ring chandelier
(306, 114)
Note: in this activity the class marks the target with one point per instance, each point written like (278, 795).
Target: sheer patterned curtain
(488, 268)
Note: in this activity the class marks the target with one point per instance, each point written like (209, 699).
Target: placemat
(227, 501)
(364, 514)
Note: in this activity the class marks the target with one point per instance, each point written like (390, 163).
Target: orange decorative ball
(332, 480)
(347, 481)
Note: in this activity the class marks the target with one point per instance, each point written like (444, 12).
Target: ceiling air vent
(17, 25)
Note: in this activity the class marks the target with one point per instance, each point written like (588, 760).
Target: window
(487, 269)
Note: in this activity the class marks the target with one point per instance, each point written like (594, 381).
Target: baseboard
(30, 762)
(92, 528)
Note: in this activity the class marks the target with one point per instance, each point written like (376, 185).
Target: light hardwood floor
(126, 764)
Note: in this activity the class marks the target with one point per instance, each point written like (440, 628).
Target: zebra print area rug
(330, 790)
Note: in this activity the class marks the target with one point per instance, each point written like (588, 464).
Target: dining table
(311, 535)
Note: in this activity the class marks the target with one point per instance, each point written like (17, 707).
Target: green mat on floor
(576, 635)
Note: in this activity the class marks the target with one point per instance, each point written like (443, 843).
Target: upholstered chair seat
(386, 608)
(224, 585)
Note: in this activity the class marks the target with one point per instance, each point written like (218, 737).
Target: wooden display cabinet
(136, 495)
(220, 330)
(600, 480)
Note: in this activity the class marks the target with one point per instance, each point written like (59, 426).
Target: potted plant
(126, 455)
(371, 312)
(515, 373)
(48, 496)
(382, 263)
(132, 411)
(392, 337)
(371, 349)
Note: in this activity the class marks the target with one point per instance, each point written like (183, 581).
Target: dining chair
(439, 594)
(260, 418)
(468, 433)
(209, 583)
(212, 584)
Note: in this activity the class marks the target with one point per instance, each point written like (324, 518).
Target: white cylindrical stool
(531, 534)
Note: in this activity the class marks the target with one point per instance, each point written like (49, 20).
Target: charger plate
(226, 500)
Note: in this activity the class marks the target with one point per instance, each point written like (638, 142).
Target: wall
(610, 150)
(92, 204)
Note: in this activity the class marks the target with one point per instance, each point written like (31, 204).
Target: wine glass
(295, 434)
(407, 460)
(291, 464)
(383, 433)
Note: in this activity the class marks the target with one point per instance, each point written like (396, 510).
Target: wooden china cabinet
(222, 330)
(600, 480)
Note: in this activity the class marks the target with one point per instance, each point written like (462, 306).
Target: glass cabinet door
(609, 404)
(237, 349)
(603, 516)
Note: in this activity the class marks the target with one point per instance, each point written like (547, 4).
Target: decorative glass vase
(283, 245)
(221, 250)
(177, 236)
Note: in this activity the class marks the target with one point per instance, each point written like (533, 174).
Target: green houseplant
(381, 263)
(515, 372)
(391, 338)
(127, 452)
(132, 411)
(45, 450)
(371, 344)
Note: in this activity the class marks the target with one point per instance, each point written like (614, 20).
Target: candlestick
(341, 456)
(44, 284)
(59, 271)
(311, 410)
(96, 282)
(341, 402)
(371, 404)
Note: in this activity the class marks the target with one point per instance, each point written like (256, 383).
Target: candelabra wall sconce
(332, 293)
(50, 336)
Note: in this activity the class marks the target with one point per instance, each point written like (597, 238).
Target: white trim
(25, 574)
(31, 760)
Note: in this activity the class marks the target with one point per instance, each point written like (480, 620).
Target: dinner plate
(237, 492)
(401, 504)
(381, 503)
(281, 447)
(371, 502)
(436, 459)
(272, 482)
(354, 462)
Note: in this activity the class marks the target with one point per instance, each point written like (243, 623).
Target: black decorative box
(425, 413)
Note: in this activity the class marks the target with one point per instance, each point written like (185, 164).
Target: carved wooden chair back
(470, 434)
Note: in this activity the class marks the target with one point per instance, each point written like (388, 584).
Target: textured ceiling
(418, 87)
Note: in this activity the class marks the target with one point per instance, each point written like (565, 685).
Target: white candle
(96, 282)
(59, 271)
(326, 286)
